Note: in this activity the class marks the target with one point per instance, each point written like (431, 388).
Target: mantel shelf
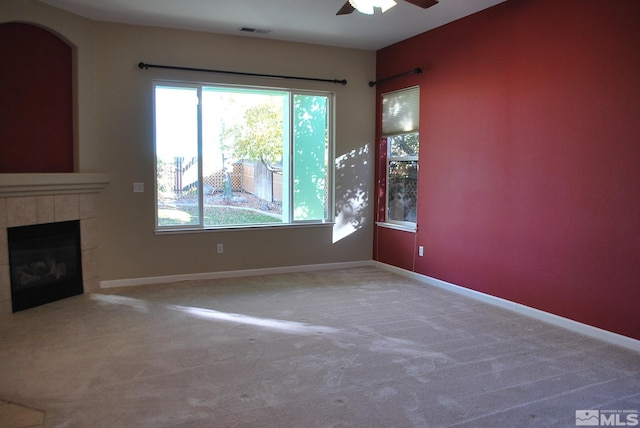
(34, 184)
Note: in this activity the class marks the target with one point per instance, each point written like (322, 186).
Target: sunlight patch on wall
(352, 192)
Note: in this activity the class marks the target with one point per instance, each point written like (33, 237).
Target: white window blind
(400, 111)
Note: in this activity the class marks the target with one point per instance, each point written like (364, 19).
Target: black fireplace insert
(45, 263)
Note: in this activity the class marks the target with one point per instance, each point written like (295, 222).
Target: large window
(240, 156)
(400, 118)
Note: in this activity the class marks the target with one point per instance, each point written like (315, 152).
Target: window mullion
(200, 162)
(403, 158)
(291, 151)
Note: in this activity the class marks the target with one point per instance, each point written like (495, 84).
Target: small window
(241, 156)
(400, 119)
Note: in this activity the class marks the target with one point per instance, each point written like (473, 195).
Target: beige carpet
(346, 348)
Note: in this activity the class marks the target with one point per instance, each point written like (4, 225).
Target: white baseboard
(585, 329)
(230, 274)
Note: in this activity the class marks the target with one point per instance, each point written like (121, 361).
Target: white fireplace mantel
(31, 184)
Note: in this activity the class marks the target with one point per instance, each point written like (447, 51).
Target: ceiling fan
(367, 6)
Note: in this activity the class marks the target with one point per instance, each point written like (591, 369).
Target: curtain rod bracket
(416, 70)
(146, 66)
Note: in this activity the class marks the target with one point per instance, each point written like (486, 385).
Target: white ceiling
(310, 21)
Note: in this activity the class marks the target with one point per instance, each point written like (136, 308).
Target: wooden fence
(250, 177)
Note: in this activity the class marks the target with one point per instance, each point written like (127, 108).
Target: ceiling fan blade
(346, 9)
(423, 3)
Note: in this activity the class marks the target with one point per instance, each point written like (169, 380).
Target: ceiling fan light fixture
(363, 6)
(385, 5)
(367, 6)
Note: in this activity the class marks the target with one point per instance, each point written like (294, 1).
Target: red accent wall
(530, 155)
(395, 247)
(36, 119)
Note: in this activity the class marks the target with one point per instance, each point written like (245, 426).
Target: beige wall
(115, 135)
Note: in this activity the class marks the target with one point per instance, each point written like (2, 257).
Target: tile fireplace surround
(27, 199)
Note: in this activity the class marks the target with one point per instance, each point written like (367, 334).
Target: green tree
(259, 137)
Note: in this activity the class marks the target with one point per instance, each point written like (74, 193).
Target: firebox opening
(45, 263)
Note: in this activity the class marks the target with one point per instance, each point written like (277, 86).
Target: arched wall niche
(37, 126)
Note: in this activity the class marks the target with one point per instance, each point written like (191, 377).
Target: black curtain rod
(416, 70)
(145, 66)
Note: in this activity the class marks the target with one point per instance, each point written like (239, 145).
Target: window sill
(406, 228)
(178, 230)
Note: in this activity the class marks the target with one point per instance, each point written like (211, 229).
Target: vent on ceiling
(254, 30)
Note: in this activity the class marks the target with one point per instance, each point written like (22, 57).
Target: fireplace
(45, 263)
(50, 199)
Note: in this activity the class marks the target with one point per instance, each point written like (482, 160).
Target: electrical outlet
(421, 251)
(220, 249)
(138, 187)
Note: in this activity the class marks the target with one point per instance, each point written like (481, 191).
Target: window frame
(404, 224)
(288, 186)
(413, 128)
